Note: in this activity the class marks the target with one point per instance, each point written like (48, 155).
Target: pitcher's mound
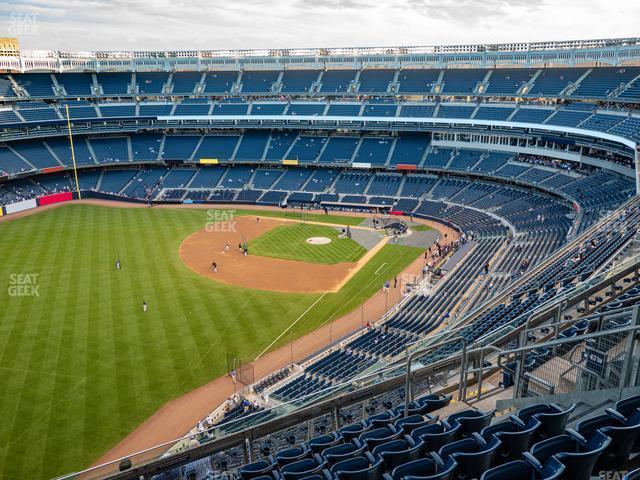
(318, 240)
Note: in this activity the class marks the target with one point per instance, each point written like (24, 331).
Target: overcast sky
(74, 25)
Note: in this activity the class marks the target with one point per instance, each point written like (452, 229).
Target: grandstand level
(366, 264)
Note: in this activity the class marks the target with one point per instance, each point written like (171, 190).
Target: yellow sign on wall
(9, 47)
(290, 162)
(209, 161)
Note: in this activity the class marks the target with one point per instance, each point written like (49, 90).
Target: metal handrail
(408, 391)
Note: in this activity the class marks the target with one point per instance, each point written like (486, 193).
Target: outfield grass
(290, 242)
(302, 215)
(81, 365)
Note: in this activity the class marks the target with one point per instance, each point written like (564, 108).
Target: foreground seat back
(525, 470)
(632, 475)
(627, 406)
(471, 421)
(553, 418)
(410, 423)
(437, 435)
(434, 402)
(473, 455)
(383, 419)
(359, 468)
(623, 433)
(256, 469)
(353, 430)
(378, 436)
(301, 469)
(340, 452)
(397, 452)
(429, 468)
(514, 443)
(580, 465)
(292, 454)
(322, 442)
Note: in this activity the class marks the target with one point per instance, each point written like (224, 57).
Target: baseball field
(82, 365)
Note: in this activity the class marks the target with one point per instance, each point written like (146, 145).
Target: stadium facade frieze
(599, 52)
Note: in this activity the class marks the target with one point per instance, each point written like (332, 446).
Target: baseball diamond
(336, 263)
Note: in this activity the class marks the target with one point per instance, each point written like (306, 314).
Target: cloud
(214, 24)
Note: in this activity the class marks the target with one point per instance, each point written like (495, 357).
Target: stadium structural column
(73, 154)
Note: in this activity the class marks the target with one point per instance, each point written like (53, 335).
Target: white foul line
(291, 326)
(377, 272)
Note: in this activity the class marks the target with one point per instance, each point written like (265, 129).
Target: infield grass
(81, 365)
(290, 242)
(421, 228)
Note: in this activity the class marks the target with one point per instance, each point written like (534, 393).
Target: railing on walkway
(607, 358)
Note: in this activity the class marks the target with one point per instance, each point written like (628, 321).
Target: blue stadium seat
(624, 433)
(353, 430)
(436, 435)
(515, 435)
(576, 453)
(428, 468)
(302, 468)
(410, 423)
(471, 420)
(473, 455)
(364, 467)
(342, 451)
(632, 475)
(383, 419)
(378, 436)
(257, 469)
(293, 454)
(553, 418)
(399, 451)
(434, 402)
(320, 443)
(527, 469)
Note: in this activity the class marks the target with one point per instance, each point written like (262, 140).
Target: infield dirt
(201, 249)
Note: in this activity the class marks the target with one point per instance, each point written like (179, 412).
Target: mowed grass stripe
(81, 365)
(290, 242)
(301, 215)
